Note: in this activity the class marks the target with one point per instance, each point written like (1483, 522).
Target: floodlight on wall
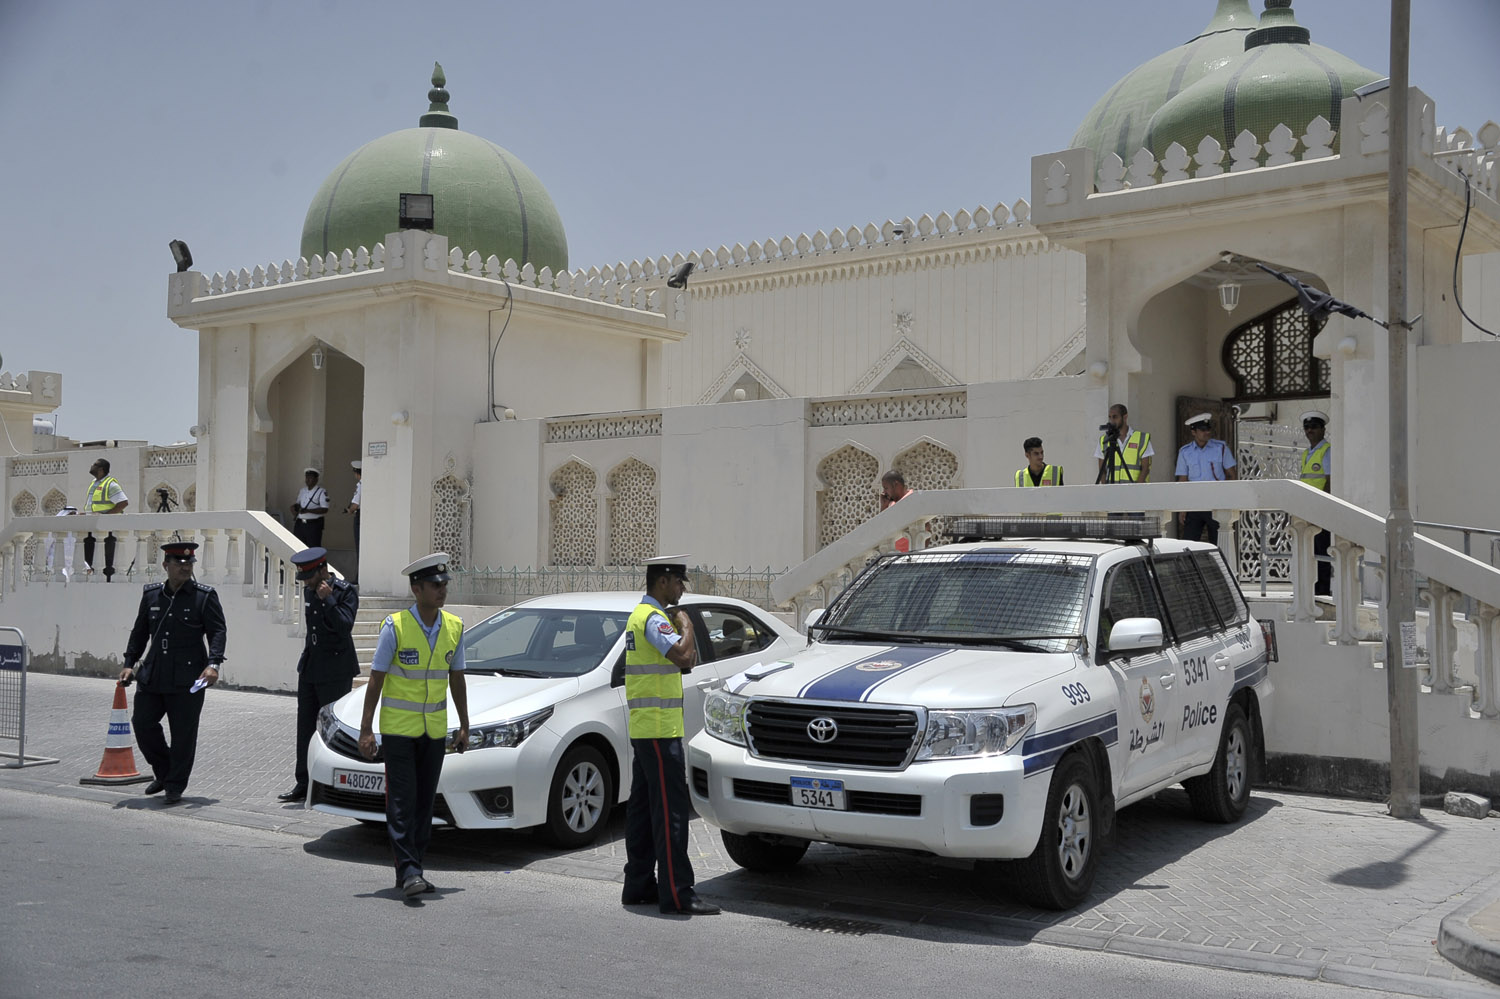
(416, 212)
(1229, 295)
(181, 255)
(678, 277)
(318, 357)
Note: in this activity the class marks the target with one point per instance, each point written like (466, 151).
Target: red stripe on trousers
(666, 821)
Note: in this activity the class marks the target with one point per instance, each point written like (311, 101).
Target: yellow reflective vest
(414, 698)
(99, 501)
(1128, 468)
(653, 686)
(1050, 475)
(1315, 466)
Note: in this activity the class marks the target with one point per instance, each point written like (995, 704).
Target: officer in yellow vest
(1037, 472)
(105, 496)
(419, 663)
(1317, 471)
(658, 651)
(1131, 460)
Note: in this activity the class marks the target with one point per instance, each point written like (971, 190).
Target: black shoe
(155, 787)
(644, 898)
(415, 884)
(298, 793)
(172, 798)
(695, 907)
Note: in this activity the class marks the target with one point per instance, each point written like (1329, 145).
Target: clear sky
(657, 128)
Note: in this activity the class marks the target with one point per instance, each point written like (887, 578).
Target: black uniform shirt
(328, 651)
(176, 635)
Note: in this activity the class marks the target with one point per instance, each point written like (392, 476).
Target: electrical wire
(495, 348)
(1458, 257)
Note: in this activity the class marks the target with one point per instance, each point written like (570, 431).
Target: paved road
(176, 906)
(1306, 886)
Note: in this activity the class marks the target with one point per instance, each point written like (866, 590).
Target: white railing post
(1304, 570)
(1346, 590)
(232, 556)
(206, 561)
(1442, 636)
(1486, 663)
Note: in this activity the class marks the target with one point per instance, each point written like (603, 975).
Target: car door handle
(1220, 659)
(1167, 679)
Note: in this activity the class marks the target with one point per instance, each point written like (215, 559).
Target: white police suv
(997, 699)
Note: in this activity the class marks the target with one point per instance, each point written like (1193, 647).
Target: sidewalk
(1306, 886)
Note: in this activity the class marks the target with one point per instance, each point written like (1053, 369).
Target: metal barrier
(14, 661)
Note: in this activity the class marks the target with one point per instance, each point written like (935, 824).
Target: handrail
(260, 525)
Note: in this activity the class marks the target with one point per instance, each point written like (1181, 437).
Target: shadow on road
(1387, 873)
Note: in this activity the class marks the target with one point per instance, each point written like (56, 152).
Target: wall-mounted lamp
(400, 417)
(1348, 346)
(416, 212)
(1099, 369)
(1229, 295)
(200, 430)
(318, 357)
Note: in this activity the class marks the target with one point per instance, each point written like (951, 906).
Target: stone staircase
(372, 611)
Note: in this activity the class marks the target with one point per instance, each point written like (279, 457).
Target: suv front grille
(867, 736)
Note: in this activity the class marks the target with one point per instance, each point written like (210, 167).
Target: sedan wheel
(582, 793)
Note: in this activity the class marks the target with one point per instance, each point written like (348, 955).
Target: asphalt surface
(1308, 887)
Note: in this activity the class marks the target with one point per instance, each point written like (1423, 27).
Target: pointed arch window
(1271, 357)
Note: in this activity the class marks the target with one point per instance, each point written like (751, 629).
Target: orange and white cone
(118, 765)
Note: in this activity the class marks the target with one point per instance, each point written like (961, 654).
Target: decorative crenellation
(918, 233)
(604, 428)
(895, 408)
(165, 457)
(38, 466)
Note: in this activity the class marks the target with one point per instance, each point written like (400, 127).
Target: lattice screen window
(928, 466)
(1271, 357)
(24, 505)
(849, 494)
(190, 499)
(53, 502)
(449, 500)
(575, 515)
(153, 498)
(632, 512)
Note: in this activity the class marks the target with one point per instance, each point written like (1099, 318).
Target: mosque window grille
(574, 515)
(848, 496)
(53, 502)
(1271, 357)
(632, 509)
(38, 466)
(929, 466)
(190, 499)
(24, 505)
(154, 499)
(450, 503)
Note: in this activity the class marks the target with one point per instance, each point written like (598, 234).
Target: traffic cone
(118, 765)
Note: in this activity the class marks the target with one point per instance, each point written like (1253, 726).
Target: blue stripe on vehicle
(1250, 673)
(1042, 751)
(850, 683)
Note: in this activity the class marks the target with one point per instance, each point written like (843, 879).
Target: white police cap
(309, 470)
(1315, 414)
(1193, 421)
(356, 464)
(672, 565)
(429, 568)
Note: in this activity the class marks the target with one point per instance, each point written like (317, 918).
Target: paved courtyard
(1306, 886)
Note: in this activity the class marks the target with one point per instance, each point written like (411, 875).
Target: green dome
(484, 198)
(1117, 124)
(1280, 78)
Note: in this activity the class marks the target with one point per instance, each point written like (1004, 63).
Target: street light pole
(1400, 633)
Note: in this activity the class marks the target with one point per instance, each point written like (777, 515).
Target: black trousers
(1196, 522)
(1321, 541)
(310, 699)
(109, 553)
(656, 825)
(412, 769)
(310, 531)
(171, 764)
(356, 532)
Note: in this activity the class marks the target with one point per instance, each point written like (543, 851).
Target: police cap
(429, 569)
(666, 565)
(309, 561)
(182, 551)
(1205, 420)
(1316, 416)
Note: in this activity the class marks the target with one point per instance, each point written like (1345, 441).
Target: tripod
(163, 501)
(1112, 460)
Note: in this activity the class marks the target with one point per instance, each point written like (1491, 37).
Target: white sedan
(548, 743)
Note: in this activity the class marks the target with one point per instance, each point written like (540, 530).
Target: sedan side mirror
(617, 675)
(1136, 633)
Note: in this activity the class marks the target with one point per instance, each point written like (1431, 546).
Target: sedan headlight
(506, 734)
(724, 715)
(328, 725)
(955, 734)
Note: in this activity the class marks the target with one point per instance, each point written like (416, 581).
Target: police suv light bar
(1071, 528)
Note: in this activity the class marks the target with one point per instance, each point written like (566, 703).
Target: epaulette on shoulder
(203, 586)
(153, 586)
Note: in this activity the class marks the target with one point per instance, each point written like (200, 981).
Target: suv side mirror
(813, 617)
(1136, 633)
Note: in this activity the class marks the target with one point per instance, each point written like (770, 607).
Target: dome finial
(1278, 25)
(437, 115)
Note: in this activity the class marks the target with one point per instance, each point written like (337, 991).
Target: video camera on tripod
(163, 500)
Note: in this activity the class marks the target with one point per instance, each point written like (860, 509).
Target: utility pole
(1400, 634)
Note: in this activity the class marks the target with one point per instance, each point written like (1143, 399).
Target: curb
(1474, 951)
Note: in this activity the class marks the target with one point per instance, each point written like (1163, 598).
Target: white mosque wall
(1481, 293)
(1455, 476)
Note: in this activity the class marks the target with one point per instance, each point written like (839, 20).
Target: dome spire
(438, 115)
(1278, 25)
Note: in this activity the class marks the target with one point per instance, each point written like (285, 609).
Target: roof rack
(1120, 528)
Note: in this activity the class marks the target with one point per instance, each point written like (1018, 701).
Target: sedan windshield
(546, 642)
(1001, 597)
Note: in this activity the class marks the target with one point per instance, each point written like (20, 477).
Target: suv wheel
(759, 853)
(581, 796)
(1222, 794)
(1060, 871)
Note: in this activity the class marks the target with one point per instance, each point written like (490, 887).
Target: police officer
(658, 650)
(353, 507)
(1317, 471)
(1037, 472)
(1131, 461)
(328, 664)
(1203, 459)
(419, 660)
(180, 630)
(310, 508)
(105, 496)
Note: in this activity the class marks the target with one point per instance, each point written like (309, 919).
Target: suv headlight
(328, 725)
(955, 734)
(724, 715)
(506, 734)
